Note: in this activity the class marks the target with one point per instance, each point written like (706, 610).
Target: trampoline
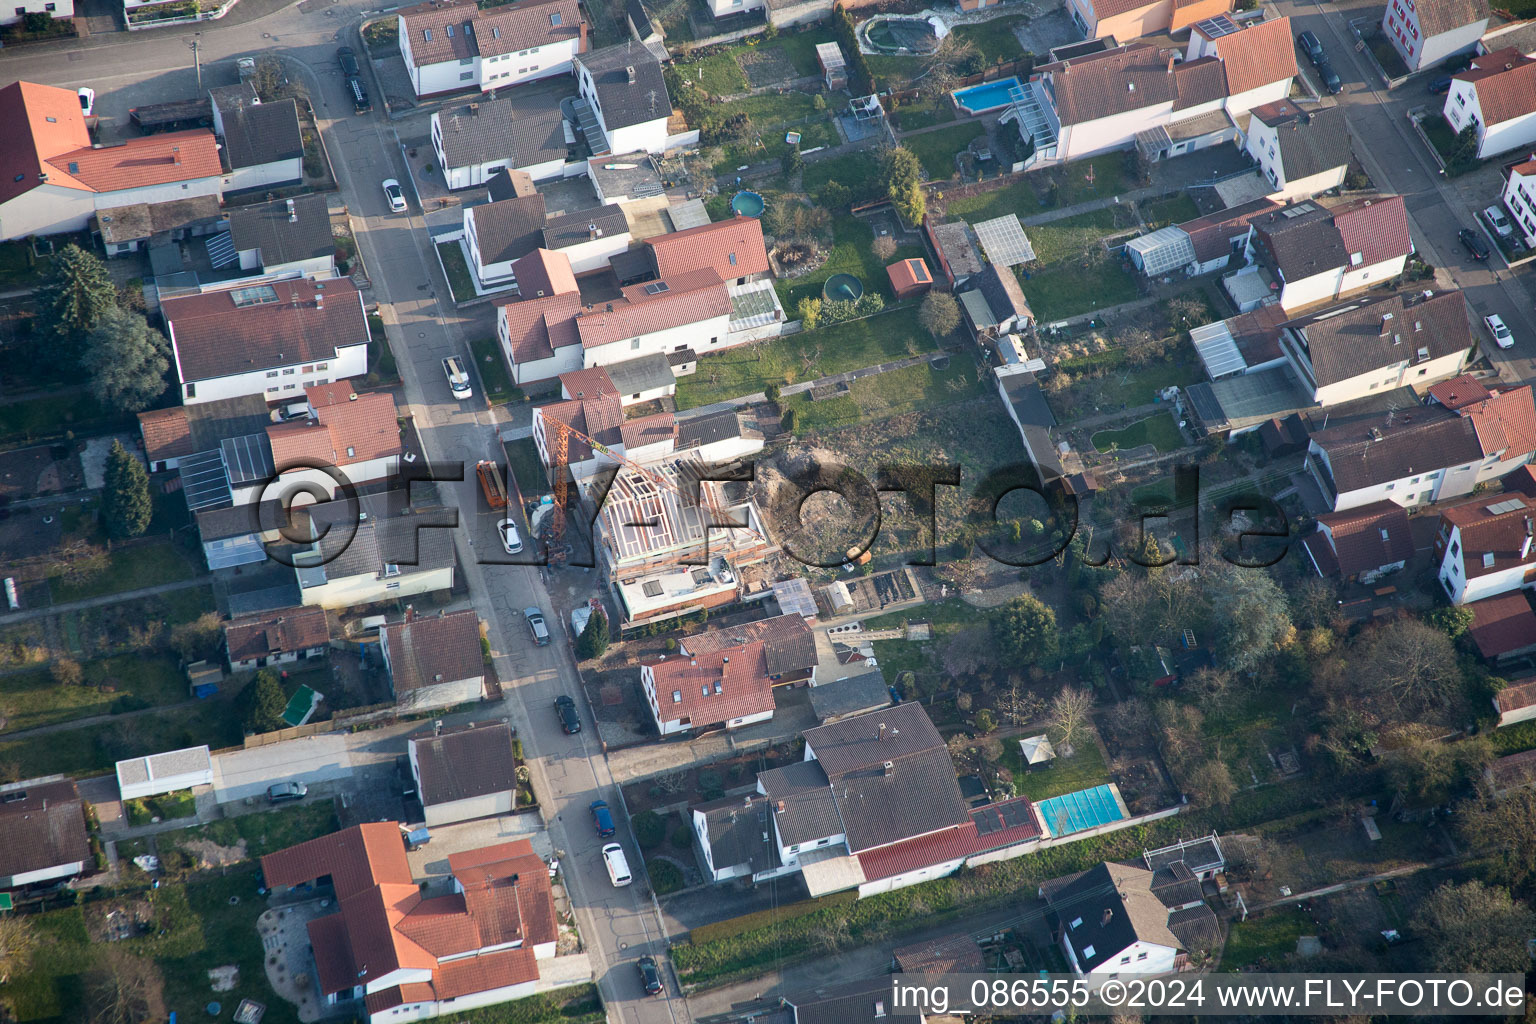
(842, 288)
(1086, 808)
(747, 204)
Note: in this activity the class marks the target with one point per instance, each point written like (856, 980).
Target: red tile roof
(733, 248)
(907, 274)
(600, 418)
(333, 953)
(1459, 392)
(167, 435)
(985, 831)
(356, 858)
(525, 25)
(53, 123)
(431, 649)
(346, 431)
(1503, 624)
(1519, 694)
(593, 382)
(1505, 422)
(1113, 82)
(1211, 235)
(1505, 83)
(536, 327)
(435, 17)
(1500, 534)
(137, 163)
(308, 322)
(731, 682)
(282, 631)
(688, 298)
(1437, 16)
(543, 272)
(1375, 228)
(1369, 537)
(653, 429)
(1257, 56)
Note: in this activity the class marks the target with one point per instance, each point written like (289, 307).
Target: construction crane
(563, 433)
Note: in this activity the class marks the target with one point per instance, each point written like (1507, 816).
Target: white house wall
(350, 361)
(365, 589)
(1516, 133)
(276, 172)
(595, 253)
(43, 875)
(646, 137)
(1448, 44)
(444, 76)
(703, 336)
(1520, 197)
(487, 806)
(1243, 102)
(61, 9)
(1159, 960)
(905, 879)
(1110, 133)
(508, 69)
(1386, 378)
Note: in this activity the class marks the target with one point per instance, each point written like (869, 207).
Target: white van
(618, 867)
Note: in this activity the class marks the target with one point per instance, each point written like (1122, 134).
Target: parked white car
(87, 100)
(1501, 335)
(1499, 221)
(395, 195)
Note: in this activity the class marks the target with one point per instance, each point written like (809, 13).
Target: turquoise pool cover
(1073, 812)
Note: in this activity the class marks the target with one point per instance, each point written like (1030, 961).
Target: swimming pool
(978, 99)
(1073, 812)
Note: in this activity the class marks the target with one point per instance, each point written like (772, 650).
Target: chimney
(880, 735)
(1386, 320)
(474, 110)
(781, 806)
(319, 301)
(1170, 63)
(746, 801)
(591, 231)
(410, 613)
(1525, 548)
(293, 214)
(176, 155)
(630, 71)
(1108, 914)
(889, 769)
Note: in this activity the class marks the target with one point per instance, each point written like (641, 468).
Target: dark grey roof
(400, 539)
(521, 133)
(1197, 929)
(1197, 855)
(509, 229)
(645, 373)
(281, 235)
(627, 99)
(209, 423)
(572, 228)
(262, 134)
(737, 827)
(1244, 398)
(860, 1002)
(238, 520)
(1302, 246)
(1105, 909)
(1313, 142)
(470, 761)
(802, 802)
(44, 825)
(228, 97)
(1176, 885)
(917, 794)
(702, 430)
(1385, 446)
(849, 696)
(639, 20)
(1362, 339)
(1028, 401)
(1004, 295)
(263, 599)
(509, 184)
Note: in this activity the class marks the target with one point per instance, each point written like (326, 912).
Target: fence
(354, 716)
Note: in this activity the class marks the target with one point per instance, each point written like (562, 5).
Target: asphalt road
(618, 925)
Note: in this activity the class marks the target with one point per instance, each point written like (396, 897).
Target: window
(351, 452)
(634, 343)
(1455, 548)
(21, 12)
(287, 372)
(322, 366)
(449, 30)
(54, 120)
(427, 33)
(1391, 487)
(1077, 922)
(392, 586)
(391, 569)
(465, 76)
(554, 20)
(271, 373)
(732, 258)
(1414, 480)
(307, 369)
(1423, 354)
(192, 390)
(677, 696)
(822, 842)
(1141, 956)
(50, 8)
(795, 848)
(1125, 959)
(290, 387)
(466, 61)
(272, 390)
(1088, 952)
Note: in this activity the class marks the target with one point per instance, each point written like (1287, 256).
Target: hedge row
(861, 82)
(766, 918)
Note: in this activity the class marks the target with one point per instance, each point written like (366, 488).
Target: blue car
(602, 818)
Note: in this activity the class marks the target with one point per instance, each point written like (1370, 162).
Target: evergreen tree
(264, 702)
(1024, 630)
(594, 636)
(76, 293)
(125, 359)
(126, 506)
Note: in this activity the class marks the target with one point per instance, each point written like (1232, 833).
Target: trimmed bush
(731, 927)
(650, 829)
(682, 837)
(665, 876)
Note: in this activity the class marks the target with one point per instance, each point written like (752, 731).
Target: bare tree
(1212, 785)
(671, 782)
(1211, 687)
(1018, 704)
(966, 754)
(1131, 717)
(17, 946)
(884, 247)
(124, 989)
(1069, 713)
(1411, 664)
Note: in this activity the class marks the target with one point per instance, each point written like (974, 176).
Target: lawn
(859, 171)
(381, 360)
(1070, 237)
(1023, 196)
(1270, 936)
(852, 253)
(893, 74)
(166, 806)
(936, 149)
(96, 748)
(262, 832)
(50, 416)
(17, 268)
(1128, 385)
(890, 394)
(1174, 209)
(1443, 137)
(457, 270)
(799, 48)
(1158, 430)
(132, 568)
(994, 39)
(31, 699)
(493, 371)
(1083, 770)
(749, 369)
(924, 111)
(717, 74)
(1068, 290)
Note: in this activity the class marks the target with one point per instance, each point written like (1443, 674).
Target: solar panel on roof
(221, 252)
(1215, 28)
(1502, 507)
(248, 459)
(1004, 241)
(204, 481)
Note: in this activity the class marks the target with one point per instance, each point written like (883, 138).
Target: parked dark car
(1440, 85)
(348, 61)
(570, 721)
(1330, 78)
(1476, 247)
(1312, 47)
(602, 818)
(283, 792)
(361, 104)
(650, 977)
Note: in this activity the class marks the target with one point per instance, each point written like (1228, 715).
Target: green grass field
(1083, 770)
(1170, 210)
(718, 75)
(50, 416)
(890, 394)
(454, 265)
(1068, 290)
(994, 39)
(1159, 431)
(493, 371)
(133, 568)
(166, 806)
(97, 748)
(852, 253)
(924, 111)
(31, 699)
(936, 149)
(857, 171)
(1271, 935)
(263, 832)
(749, 369)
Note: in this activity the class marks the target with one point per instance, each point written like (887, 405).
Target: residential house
(1516, 702)
(844, 817)
(909, 278)
(1301, 152)
(1495, 97)
(635, 381)
(266, 339)
(728, 687)
(285, 236)
(1504, 628)
(1362, 544)
(860, 1002)
(356, 434)
(955, 250)
(1132, 19)
(789, 649)
(1319, 253)
(498, 234)
(625, 94)
(170, 435)
(278, 637)
(1426, 32)
(993, 304)
(392, 953)
(590, 238)
(53, 178)
(46, 844)
(387, 552)
(236, 535)
(1373, 346)
(140, 226)
(1520, 199)
(1485, 547)
(434, 661)
(1397, 450)
(545, 337)
(1200, 246)
(948, 954)
(55, 9)
(594, 412)
(477, 140)
(1117, 919)
(851, 695)
(464, 772)
(452, 45)
(732, 248)
(1136, 95)
(263, 144)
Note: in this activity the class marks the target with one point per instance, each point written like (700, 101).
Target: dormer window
(449, 30)
(677, 696)
(554, 20)
(1356, 258)
(427, 33)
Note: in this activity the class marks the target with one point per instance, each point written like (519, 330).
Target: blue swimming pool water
(978, 99)
(1073, 812)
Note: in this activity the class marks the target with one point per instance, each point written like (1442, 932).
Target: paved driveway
(246, 774)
